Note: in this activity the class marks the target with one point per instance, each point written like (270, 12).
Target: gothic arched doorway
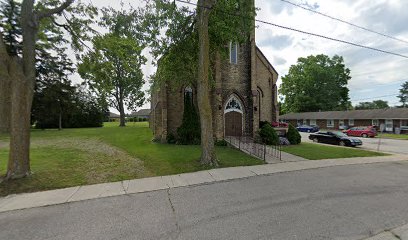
(233, 117)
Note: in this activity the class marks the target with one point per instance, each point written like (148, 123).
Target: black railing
(261, 151)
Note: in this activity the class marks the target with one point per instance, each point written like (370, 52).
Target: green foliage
(77, 108)
(113, 70)
(316, 83)
(221, 143)
(403, 96)
(178, 49)
(171, 139)
(377, 104)
(293, 135)
(268, 134)
(189, 131)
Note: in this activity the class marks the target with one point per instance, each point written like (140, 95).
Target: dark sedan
(306, 128)
(336, 138)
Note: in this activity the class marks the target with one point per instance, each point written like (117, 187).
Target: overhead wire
(304, 32)
(346, 22)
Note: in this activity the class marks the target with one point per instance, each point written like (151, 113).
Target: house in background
(244, 94)
(388, 120)
(113, 117)
(141, 114)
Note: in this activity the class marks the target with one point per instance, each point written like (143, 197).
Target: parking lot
(381, 144)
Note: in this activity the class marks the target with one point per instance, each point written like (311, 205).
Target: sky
(374, 75)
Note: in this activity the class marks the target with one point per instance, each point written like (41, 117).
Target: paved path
(386, 145)
(73, 194)
(343, 202)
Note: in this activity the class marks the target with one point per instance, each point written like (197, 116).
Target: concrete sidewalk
(400, 233)
(66, 195)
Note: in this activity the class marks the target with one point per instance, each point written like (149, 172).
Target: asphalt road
(348, 202)
(385, 145)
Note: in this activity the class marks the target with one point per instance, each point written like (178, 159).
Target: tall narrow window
(188, 95)
(233, 53)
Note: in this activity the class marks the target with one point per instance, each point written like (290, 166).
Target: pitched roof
(113, 115)
(258, 50)
(141, 112)
(387, 113)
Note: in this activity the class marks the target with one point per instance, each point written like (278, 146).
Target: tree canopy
(316, 83)
(113, 70)
(403, 94)
(376, 104)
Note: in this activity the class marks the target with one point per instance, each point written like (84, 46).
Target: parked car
(280, 124)
(369, 131)
(336, 138)
(307, 128)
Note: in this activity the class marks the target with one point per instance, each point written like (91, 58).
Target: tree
(19, 70)
(205, 31)
(113, 70)
(377, 104)
(403, 96)
(316, 83)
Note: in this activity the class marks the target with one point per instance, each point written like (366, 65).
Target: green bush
(189, 133)
(171, 139)
(268, 135)
(293, 135)
(221, 143)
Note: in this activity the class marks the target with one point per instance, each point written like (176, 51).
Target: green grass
(74, 157)
(394, 136)
(317, 151)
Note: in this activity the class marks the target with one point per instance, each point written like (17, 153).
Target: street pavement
(341, 202)
(376, 144)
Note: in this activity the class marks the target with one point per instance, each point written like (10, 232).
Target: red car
(280, 124)
(369, 131)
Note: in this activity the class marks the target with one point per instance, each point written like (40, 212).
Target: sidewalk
(73, 194)
(400, 233)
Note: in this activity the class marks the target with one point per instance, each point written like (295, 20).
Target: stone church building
(244, 94)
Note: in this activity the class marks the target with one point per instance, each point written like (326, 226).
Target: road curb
(88, 192)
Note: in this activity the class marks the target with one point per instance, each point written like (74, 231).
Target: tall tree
(316, 83)
(205, 31)
(113, 70)
(203, 85)
(20, 70)
(403, 96)
(377, 104)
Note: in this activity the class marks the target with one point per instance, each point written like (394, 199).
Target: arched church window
(233, 104)
(188, 95)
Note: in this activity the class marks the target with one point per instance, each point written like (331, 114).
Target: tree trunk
(208, 156)
(122, 114)
(22, 75)
(60, 119)
(5, 91)
(21, 99)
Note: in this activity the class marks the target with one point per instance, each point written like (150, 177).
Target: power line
(304, 32)
(343, 21)
(391, 95)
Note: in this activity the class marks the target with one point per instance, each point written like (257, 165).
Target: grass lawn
(394, 136)
(313, 151)
(73, 157)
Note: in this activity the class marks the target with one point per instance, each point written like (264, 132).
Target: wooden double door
(233, 124)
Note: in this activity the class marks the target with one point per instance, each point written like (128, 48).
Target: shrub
(268, 135)
(293, 135)
(171, 139)
(262, 123)
(221, 143)
(190, 131)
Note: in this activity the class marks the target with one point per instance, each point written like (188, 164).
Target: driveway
(347, 202)
(383, 144)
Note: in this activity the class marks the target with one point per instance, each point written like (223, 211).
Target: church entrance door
(233, 124)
